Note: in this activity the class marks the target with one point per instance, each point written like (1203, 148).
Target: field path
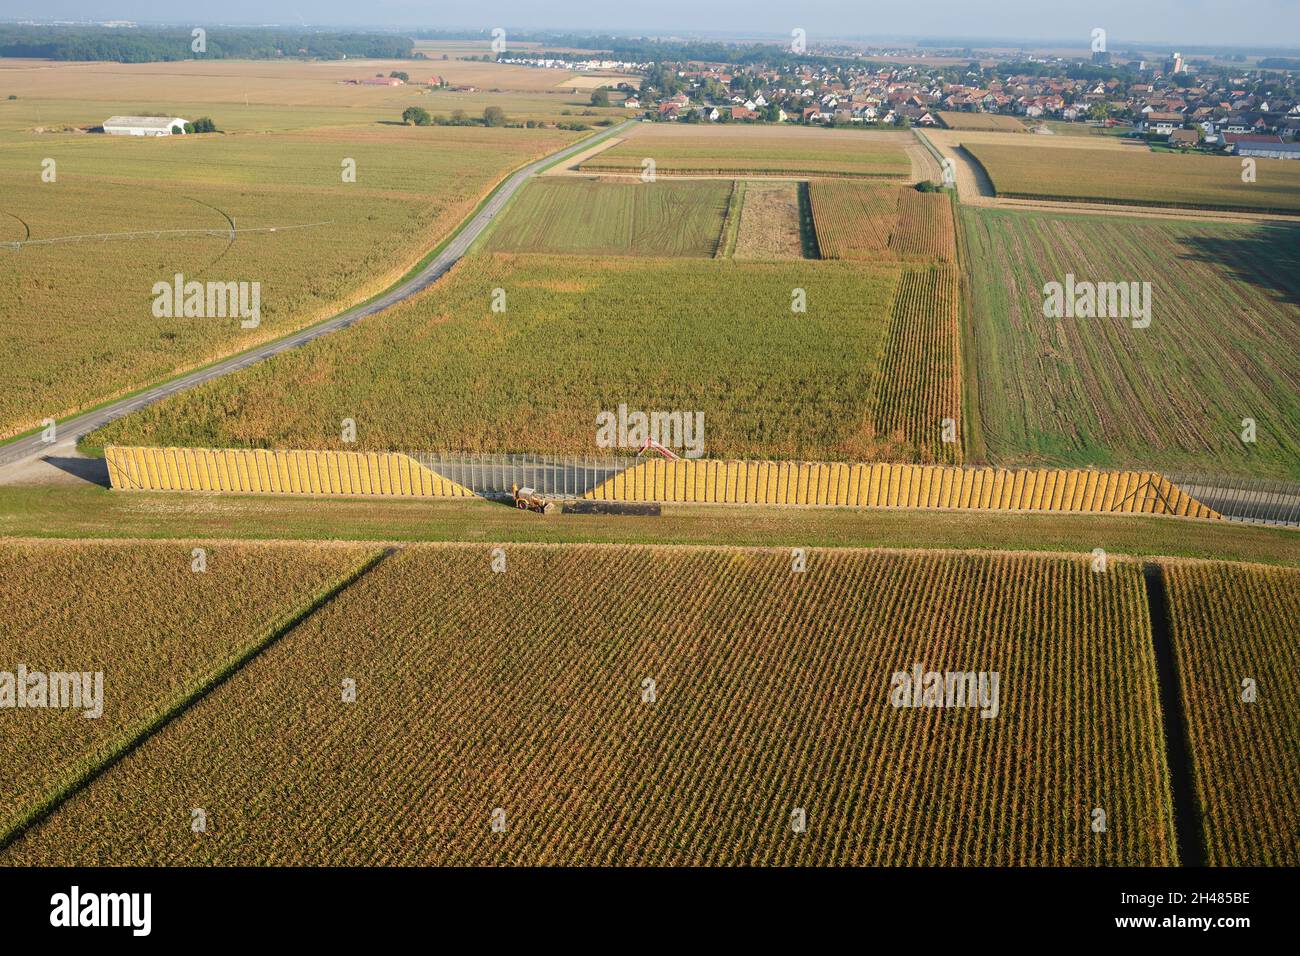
(975, 188)
(23, 451)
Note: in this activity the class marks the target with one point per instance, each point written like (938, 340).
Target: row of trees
(419, 116)
(148, 44)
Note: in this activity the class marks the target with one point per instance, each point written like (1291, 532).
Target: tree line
(146, 45)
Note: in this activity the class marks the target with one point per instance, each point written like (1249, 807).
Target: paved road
(69, 432)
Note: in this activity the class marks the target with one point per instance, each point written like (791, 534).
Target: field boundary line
(133, 740)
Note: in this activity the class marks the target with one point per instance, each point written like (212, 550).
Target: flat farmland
(871, 221)
(1139, 178)
(690, 149)
(280, 82)
(577, 337)
(769, 223)
(1223, 343)
(569, 215)
(156, 629)
(77, 323)
(916, 399)
(664, 706)
(992, 122)
(1233, 625)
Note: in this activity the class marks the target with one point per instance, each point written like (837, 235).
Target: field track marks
(65, 793)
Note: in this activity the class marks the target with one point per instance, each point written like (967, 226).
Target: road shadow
(93, 470)
(1267, 256)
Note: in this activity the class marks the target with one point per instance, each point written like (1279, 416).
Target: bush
(203, 124)
(494, 116)
(399, 75)
(926, 186)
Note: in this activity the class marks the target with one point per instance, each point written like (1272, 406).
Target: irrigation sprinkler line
(232, 233)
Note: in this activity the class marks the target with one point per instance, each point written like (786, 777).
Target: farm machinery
(527, 499)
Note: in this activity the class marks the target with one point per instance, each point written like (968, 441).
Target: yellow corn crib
(899, 486)
(257, 471)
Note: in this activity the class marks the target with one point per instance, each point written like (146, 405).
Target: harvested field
(154, 627)
(587, 81)
(769, 222)
(1223, 343)
(1231, 623)
(918, 384)
(992, 122)
(772, 694)
(77, 320)
(1139, 178)
(578, 337)
(282, 82)
(757, 150)
(581, 216)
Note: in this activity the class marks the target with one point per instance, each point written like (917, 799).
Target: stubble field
(688, 149)
(1223, 344)
(77, 325)
(1139, 177)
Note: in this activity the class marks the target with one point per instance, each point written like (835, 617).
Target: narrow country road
(22, 452)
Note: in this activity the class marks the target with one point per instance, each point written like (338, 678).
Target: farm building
(1264, 147)
(143, 125)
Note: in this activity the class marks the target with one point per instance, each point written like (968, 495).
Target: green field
(564, 215)
(772, 693)
(1223, 344)
(77, 325)
(1139, 177)
(578, 337)
(83, 511)
(1232, 624)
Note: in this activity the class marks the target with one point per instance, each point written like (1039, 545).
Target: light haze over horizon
(1260, 23)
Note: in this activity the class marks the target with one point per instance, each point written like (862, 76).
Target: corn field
(643, 705)
(865, 221)
(916, 409)
(852, 220)
(1233, 624)
(155, 627)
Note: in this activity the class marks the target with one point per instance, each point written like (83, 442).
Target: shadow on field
(93, 470)
(1267, 257)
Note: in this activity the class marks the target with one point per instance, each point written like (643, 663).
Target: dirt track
(976, 189)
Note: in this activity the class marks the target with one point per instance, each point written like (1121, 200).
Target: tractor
(527, 499)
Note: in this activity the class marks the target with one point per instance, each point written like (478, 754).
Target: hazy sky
(1260, 22)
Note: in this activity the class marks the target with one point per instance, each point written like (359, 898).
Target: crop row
(917, 396)
(661, 706)
(1234, 634)
(156, 620)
